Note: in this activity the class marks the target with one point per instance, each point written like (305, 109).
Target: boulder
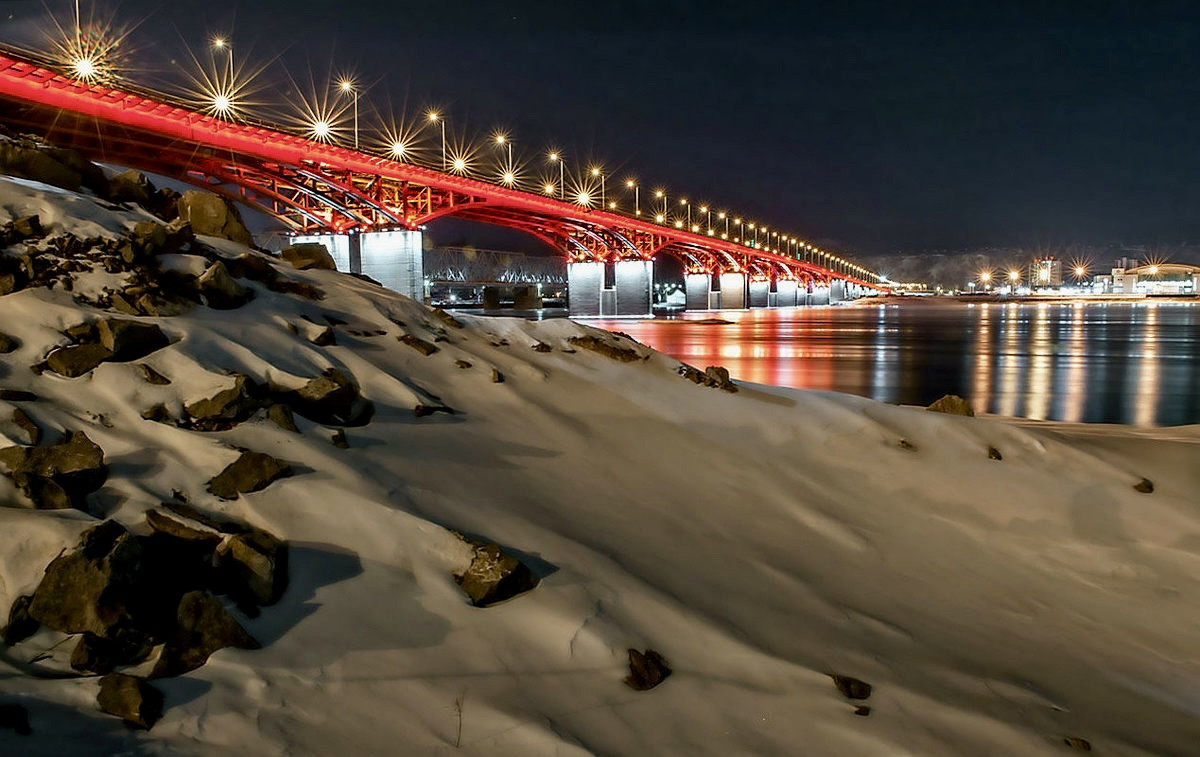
(152, 376)
(22, 421)
(202, 626)
(150, 238)
(339, 439)
(130, 340)
(29, 163)
(951, 404)
(646, 670)
(497, 376)
(281, 415)
(322, 337)
(227, 407)
(132, 699)
(851, 688)
(251, 266)
(95, 654)
(57, 476)
(220, 290)
(130, 186)
(1145, 486)
(254, 567)
(418, 344)
(332, 398)
(20, 624)
(462, 364)
(606, 348)
(8, 343)
(306, 255)
(251, 472)
(994, 454)
(75, 360)
(212, 216)
(27, 227)
(493, 575)
(176, 528)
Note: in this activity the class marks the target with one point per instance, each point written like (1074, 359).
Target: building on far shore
(1127, 277)
(1045, 273)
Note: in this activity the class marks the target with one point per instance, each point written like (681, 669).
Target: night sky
(872, 126)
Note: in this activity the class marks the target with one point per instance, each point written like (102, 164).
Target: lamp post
(661, 194)
(347, 88)
(683, 201)
(596, 172)
(556, 157)
(637, 203)
(434, 117)
(218, 43)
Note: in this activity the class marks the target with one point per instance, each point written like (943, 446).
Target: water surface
(1133, 363)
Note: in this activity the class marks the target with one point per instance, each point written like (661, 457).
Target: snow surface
(759, 540)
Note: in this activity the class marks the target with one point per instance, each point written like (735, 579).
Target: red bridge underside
(315, 187)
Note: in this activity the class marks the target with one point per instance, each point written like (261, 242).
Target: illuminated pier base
(837, 291)
(785, 293)
(622, 288)
(819, 295)
(393, 258)
(696, 290)
(759, 294)
(733, 291)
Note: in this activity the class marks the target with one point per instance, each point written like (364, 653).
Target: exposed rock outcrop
(646, 670)
(952, 404)
(132, 699)
(57, 476)
(251, 472)
(213, 216)
(493, 575)
(306, 255)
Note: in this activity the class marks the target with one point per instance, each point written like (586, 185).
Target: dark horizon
(870, 127)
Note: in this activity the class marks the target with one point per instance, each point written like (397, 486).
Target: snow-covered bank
(760, 540)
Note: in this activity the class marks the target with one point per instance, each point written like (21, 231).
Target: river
(1135, 363)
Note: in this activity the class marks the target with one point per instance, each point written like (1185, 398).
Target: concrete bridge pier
(697, 289)
(760, 294)
(837, 291)
(607, 289)
(819, 295)
(393, 258)
(733, 291)
(785, 293)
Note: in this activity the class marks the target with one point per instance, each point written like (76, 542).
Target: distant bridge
(371, 204)
(466, 265)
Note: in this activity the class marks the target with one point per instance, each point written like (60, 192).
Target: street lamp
(637, 203)
(434, 117)
(556, 157)
(596, 172)
(346, 86)
(220, 43)
(683, 201)
(660, 194)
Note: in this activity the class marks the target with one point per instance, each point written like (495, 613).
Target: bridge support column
(837, 291)
(394, 259)
(733, 291)
(632, 280)
(819, 295)
(759, 293)
(785, 293)
(696, 290)
(584, 284)
(337, 244)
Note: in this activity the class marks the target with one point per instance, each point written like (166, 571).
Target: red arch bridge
(369, 210)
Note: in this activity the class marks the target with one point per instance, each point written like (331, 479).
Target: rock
(88, 331)
(418, 344)
(494, 575)
(150, 238)
(213, 216)
(1077, 743)
(26, 424)
(31, 163)
(202, 627)
(718, 377)
(132, 699)
(130, 186)
(606, 348)
(851, 688)
(541, 347)
(251, 472)
(281, 415)
(462, 364)
(162, 305)
(26, 227)
(497, 377)
(1145, 486)
(152, 376)
(75, 360)
(251, 266)
(447, 319)
(323, 337)
(157, 413)
(14, 717)
(168, 525)
(227, 407)
(339, 439)
(863, 710)
(254, 567)
(221, 291)
(57, 476)
(308, 255)
(20, 624)
(332, 398)
(646, 670)
(93, 654)
(994, 454)
(130, 340)
(8, 343)
(298, 288)
(421, 411)
(951, 404)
